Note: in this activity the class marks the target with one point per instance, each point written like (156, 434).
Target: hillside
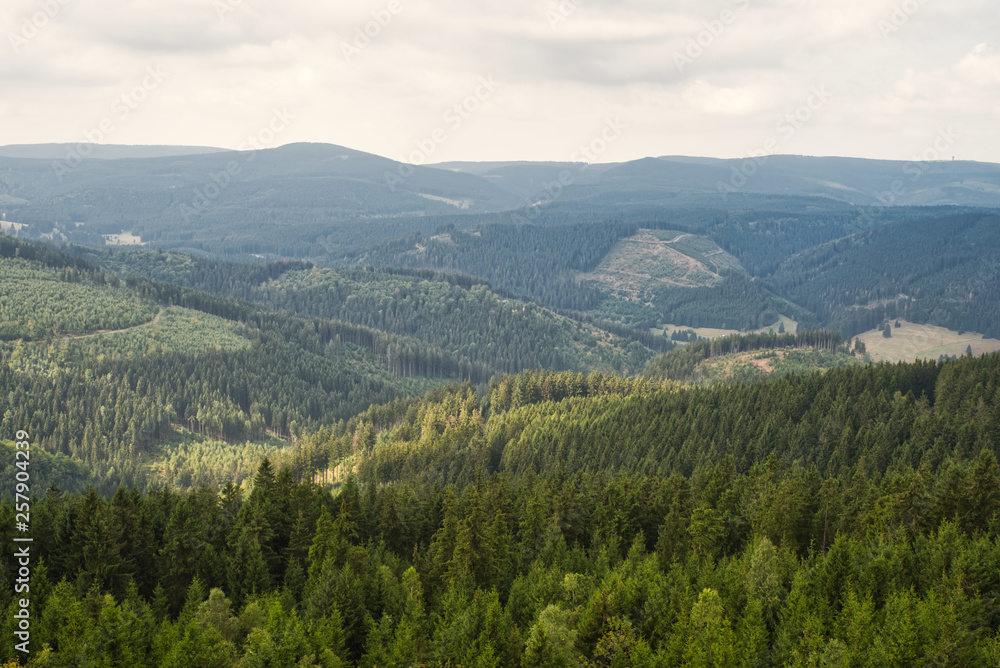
(108, 369)
(936, 270)
(275, 201)
(740, 358)
(805, 238)
(303, 200)
(603, 520)
(847, 269)
(561, 267)
(635, 264)
(851, 180)
(455, 313)
(598, 517)
(754, 367)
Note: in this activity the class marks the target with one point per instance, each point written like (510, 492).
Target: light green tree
(552, 640)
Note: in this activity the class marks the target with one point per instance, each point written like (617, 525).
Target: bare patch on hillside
(754, 366)
(655, 258)
(457, 203)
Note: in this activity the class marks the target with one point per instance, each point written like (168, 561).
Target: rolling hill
(276, 201)
(100, 151)
(455, 313)
(855, 181)
(106, 370)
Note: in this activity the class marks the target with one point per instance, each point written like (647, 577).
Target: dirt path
(86, 335)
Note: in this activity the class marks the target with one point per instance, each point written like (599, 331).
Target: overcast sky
(533, 79)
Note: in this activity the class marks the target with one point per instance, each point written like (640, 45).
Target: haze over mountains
(732, 244)
(851, 180)
(100, 151)
(54, 183)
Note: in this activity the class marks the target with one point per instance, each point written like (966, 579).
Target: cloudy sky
(434, 80)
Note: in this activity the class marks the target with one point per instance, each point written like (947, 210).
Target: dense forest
(838, 519)
(545, 263)
(344, 463)
(942, 270)
(178, 359)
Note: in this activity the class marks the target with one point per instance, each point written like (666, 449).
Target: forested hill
(941, 270)
(456, 313)
(848, 268)
(106, 370)
(846, 518)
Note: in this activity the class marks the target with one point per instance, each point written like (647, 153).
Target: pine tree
(711, 643)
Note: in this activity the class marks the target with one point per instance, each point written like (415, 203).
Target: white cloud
(561, 81)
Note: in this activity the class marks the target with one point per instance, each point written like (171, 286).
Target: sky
(429, 81)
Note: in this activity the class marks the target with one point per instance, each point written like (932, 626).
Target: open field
(911, 342)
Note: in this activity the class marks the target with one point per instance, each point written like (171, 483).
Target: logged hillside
(684, 364)
(833, 519)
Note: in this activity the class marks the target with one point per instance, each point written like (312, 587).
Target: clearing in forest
(911, 342)
(791, 327)
(661, 258)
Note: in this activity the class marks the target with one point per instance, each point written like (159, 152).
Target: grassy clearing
(911, 342)
(791, 327)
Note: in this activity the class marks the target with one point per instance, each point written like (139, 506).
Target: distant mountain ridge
(857, 181)
(308, 200)
(102, 151)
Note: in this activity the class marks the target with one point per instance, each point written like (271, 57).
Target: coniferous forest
(282, 464)
(558, 519)
(551, 334)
